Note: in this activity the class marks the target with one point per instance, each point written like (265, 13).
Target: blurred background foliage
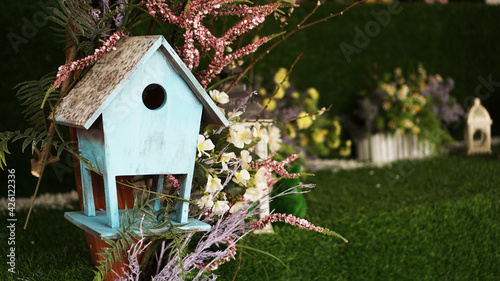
(457, 40)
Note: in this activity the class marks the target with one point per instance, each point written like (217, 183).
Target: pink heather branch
(221, 61)
(294, 221)
(276, 166)
(174, 181)
(65, 70)
(191, 20)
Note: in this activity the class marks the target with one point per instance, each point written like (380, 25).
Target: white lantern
(478, 130)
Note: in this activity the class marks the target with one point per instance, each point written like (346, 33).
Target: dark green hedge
(461, 41)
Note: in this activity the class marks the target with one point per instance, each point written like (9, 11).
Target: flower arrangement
(419, 104)
(229, 177)
(306, 127)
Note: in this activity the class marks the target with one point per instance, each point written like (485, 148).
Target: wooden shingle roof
(95, 91)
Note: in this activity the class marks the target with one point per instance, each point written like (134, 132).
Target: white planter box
(384, 148)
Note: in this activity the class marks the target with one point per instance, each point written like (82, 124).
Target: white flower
(260, 132)
(205, 201)
(261, 179)
(253, 194)
(220, 207)
(204, 145)
(242, 177)
(219, 97)
(239, 135)
(237, 206)
(274, 138)
(213, 184)
(225, 158)
(245, 159)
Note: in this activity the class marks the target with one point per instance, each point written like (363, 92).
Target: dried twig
(282, 38)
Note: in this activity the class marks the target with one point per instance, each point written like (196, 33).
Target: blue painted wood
(185, 192)
(87, 192)
(98, 226)
(121, 136)
(113, 218)
(159, 189)
(141, 141)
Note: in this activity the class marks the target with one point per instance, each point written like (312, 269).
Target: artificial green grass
(50, 249)
(439, 221)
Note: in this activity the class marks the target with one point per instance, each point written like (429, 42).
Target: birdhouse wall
(91, 144)
(139, 140)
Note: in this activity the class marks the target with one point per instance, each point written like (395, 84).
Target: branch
(299, 26)
(281, 84)
(37, 166)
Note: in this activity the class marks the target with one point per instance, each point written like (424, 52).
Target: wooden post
(125, 195)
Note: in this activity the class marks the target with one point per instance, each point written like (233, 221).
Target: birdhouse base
(97, 225)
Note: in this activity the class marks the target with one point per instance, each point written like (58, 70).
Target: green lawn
(438, 221)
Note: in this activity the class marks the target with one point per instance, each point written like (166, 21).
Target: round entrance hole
(154, 96)
(479, 137)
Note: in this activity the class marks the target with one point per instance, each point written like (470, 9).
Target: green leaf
(262, 252)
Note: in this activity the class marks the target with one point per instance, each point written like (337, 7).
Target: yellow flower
(280, 75)
(304, 121)
(291, 131)
(422, 99)
(295, 95)
(280, 93)
(335, 144)
(345, 151)
(392, 124)
(262, 91)
(415, 95)
(319, 135)
(286, 84)
(387, 105)
(338, 129)
(348, 143)
(407, 123)
(271, 106)
(400, 132)
(415, 130)
(391, 90)
(416, 108)
(403, 92)
(313, 93)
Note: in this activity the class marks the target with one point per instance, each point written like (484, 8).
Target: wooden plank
(85, 102)
(98, 227)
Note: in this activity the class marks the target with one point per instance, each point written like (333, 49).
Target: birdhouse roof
(477, 113)
(102, 83)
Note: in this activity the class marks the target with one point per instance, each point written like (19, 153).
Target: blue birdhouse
(137, 112)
